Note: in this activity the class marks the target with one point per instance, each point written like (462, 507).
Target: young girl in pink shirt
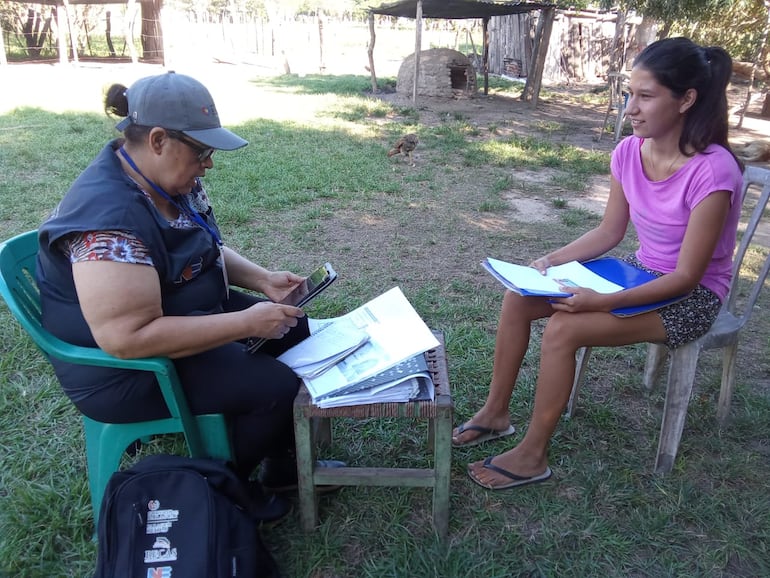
(679, 183)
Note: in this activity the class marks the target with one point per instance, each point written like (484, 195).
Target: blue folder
(627, 276)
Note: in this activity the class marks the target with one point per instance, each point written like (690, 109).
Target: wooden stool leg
(322, 431)
(308, 504)
(442, 455)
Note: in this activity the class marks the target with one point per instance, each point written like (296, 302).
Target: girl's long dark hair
(679, 64)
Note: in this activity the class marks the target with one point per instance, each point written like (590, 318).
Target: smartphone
(301, 295)
(313, 284)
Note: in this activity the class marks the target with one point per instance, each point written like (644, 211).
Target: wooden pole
(151, 31)
(535, 76)
(3, 57)
(73, 39)
(130, 16)
(108, 33)
(417, 48)
(485, 57)
(617, 54)
(528, 91)
(370, 51)
(757, 58)
(549, 16)
(61, 17)
(321, 64)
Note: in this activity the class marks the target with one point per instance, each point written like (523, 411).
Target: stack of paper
(352, 355)
(405, 381)
(323, 349)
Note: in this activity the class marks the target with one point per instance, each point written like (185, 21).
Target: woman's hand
(582, 299)
(278, 284)
(272, 320)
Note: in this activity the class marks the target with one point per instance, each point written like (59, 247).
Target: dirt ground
(579, 125)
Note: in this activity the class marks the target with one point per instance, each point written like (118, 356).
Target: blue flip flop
(516, 480)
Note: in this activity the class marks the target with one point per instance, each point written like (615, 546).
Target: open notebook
(605, 275)
(627, 276)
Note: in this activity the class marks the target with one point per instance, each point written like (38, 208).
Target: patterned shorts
(688, 319)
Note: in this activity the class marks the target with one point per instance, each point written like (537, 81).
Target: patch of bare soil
(564, 118)
(553, 119)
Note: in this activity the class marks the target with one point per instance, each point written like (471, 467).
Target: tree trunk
(370, 52)
(3, 57)
(766, 107)
(321, 64)
(760, 51)
(618, 52)
(152, 33)
(108, 33)
(645, 35)
(130, 20)
(534, 82)
(70, 32)
(30, 30)
(61, 23)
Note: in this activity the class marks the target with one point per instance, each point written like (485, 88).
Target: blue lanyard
(184, 209)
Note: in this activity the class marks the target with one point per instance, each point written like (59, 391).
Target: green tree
(704, 21)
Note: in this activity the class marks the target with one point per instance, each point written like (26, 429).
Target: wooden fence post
(417, 48)
(370, 52)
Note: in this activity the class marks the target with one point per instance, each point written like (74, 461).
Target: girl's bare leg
(564, 334)
(513, 332)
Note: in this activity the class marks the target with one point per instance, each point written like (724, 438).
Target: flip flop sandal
(487, 434)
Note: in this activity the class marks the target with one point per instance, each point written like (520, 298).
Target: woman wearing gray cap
(132, 261)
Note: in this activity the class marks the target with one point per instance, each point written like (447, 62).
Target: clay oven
(443, 72)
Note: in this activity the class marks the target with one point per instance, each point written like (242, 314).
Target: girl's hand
(582, 299)
(541, 264)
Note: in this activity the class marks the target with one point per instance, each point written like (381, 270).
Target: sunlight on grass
(358, 110)
(323, 84)
(533, 153)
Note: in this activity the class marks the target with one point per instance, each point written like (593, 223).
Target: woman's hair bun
(115, 101)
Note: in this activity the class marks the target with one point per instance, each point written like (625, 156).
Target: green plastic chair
(206, 435)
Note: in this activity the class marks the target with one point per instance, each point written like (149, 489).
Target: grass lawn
(320, 187)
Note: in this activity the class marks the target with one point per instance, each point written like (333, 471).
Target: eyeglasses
(204, 153)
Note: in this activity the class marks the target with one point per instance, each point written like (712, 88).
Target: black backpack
(177, 517)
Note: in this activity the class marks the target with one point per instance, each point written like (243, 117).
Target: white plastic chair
(618, 101)
(724, 334)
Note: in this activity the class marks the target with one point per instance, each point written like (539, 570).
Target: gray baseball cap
(181, 103)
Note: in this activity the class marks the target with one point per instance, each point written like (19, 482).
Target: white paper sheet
(528, 280)
(396, 332)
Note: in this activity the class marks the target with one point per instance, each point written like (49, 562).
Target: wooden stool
(312, 426)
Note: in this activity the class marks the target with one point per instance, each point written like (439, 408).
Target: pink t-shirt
(660, 210)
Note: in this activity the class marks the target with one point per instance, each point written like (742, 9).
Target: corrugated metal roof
(451, 9)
